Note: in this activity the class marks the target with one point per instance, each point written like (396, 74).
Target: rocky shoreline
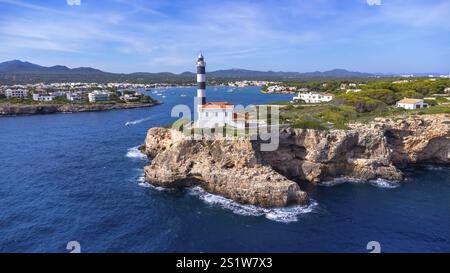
(238, 170)
(37, 109)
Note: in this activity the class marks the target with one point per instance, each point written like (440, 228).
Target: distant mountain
(187, 74)
(86, 70)
(17, 66)
(243, 73)
(17, 71)
(339, 73)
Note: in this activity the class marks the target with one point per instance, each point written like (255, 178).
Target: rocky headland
(237, 169)
(16, 109)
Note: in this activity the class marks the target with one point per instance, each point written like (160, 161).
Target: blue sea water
(78, 177)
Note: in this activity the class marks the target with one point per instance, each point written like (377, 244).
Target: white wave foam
(145, 184)
(141, 177)
(379, 182)
(433, 168)
(338, 181)
(134, 122)
(135, 153)
(382, 183)
(285, 215)
(137, 121)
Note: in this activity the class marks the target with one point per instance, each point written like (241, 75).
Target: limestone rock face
(366, 151)
(237, 169)
(228, 168)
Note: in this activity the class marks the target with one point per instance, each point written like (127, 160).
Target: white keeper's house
(215, 114)
(310, 97)
(411, 104)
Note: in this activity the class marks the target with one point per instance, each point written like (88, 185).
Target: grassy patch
(308, 122)
(440, 109)
(331, 116)
(279, 103)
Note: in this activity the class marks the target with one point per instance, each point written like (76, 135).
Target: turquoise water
(67, 177)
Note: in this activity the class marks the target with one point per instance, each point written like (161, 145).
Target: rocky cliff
(228, 168)
(237, 169)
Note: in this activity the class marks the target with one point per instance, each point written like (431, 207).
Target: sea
(77, 178)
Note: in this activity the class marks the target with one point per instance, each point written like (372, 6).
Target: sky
(377, 36)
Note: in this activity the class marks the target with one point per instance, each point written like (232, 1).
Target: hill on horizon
(17, 71)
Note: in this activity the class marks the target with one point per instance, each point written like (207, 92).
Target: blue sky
(162, 35)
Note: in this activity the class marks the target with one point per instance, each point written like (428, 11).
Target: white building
(97, 95)
(16, 93)
(215, 114)
(276, 88)
(313, 97)
(58, 94)
(411, 104)
(41, 97)
(401, 82)
(73, 97)
(130, 97)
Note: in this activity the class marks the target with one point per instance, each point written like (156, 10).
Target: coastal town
(73, 92)
(365, 95)
(29, 99)
(78, 92)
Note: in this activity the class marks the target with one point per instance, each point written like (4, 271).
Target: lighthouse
(201, 81)
(211, 114)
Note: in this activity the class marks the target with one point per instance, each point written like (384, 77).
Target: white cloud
(242, 34)
(374, 2)
(73, 2)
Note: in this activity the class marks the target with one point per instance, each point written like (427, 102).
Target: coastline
(10, 109)
(375, 152)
